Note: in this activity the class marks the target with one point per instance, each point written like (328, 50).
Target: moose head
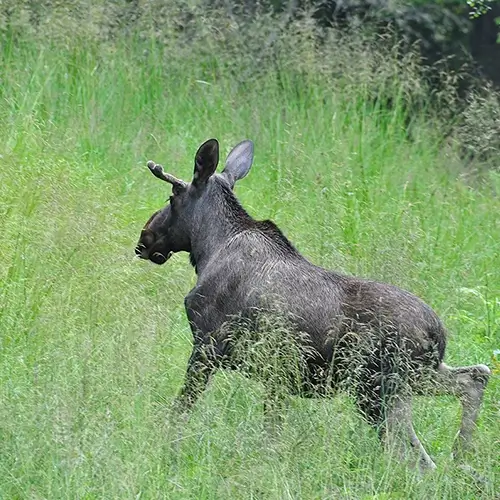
(192, 205)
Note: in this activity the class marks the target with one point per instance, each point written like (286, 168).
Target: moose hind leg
(399, 436)
(468, 384)
(393, 419)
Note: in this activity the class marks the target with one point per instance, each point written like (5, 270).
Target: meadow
(94, 342)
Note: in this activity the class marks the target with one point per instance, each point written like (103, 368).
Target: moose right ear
(205, 162)
(238, 162)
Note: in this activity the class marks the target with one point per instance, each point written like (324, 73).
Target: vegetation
(479, 7)
(94, 343)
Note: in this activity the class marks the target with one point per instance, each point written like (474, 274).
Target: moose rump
(380, 342)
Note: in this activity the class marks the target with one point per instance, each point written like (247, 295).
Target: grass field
(94, 343)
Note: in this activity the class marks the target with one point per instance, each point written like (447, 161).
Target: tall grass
(93, 344)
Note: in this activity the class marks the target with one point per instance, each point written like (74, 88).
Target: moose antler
(157, 171)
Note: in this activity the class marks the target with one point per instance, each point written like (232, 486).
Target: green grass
(94, 343)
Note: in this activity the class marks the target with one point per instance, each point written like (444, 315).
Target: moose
(244, 265)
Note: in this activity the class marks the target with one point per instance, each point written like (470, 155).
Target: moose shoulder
(244, 266)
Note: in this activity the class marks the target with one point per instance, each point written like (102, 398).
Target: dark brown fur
(381, 341)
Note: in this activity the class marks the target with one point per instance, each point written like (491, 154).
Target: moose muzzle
(156, 257)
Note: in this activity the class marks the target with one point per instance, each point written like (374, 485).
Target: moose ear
(238, 162)
(205, 162)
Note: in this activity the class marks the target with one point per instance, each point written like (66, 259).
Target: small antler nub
(157, 171)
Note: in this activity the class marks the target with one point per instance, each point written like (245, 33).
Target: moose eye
(176, 190)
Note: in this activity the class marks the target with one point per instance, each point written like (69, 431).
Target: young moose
(244, 265)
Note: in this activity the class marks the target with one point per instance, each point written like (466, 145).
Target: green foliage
(94, 343)
(479, 7)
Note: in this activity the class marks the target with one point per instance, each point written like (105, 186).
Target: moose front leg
(207, 351)
(202, 363)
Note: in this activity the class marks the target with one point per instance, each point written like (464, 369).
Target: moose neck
(220, 219)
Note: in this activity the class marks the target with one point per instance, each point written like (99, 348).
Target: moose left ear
(238, 162)
(205, 162)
